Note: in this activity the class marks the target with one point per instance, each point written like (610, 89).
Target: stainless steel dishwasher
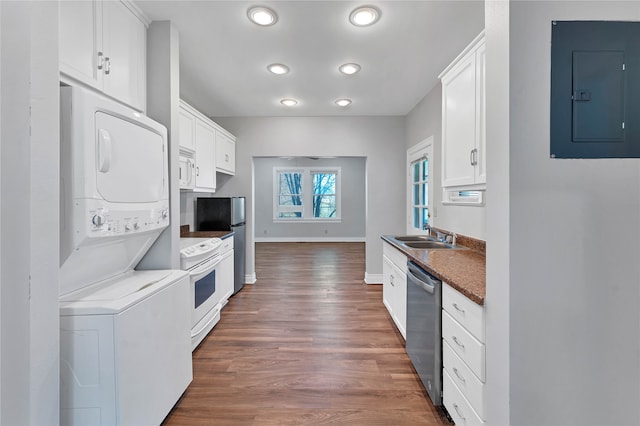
(424, 329)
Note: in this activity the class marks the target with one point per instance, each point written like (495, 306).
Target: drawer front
(468, 313)
(467, 347)
(457, 405)
(467, 382)
(399, 259)
(227, 244)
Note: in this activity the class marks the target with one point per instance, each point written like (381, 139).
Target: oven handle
(204, 268)
(202, 329)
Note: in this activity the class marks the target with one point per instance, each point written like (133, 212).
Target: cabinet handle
(100, 60)
(455, 407)
(391, 280)
(459, 309)
(226, 158)
(455, 339)
(459, 376)
(471, 157)
(197, 171)
(107, 65)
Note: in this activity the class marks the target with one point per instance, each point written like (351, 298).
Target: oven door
(204, 292)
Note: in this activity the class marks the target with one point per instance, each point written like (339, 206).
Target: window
(418, 164)
(306, 194)
(420, 190)
(289, 198)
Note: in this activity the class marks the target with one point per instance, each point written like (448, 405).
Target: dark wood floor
(309, 343)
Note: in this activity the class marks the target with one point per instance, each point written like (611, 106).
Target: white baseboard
(250, 278)
(372, 278)
(310, 240)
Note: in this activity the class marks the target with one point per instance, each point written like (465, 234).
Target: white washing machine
(125, 335)
(125, 356)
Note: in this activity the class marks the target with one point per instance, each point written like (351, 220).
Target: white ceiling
(223, 56)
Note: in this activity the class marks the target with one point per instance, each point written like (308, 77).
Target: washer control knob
(165, 214)
(97, 220)
(127, 227)
(136, 226)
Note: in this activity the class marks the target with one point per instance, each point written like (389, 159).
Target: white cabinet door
(481, 140)
(400, 310)
(225, 154)
(205, 156)
(394, 286)
(81, 41)
(459, 124)
(103, 45)
(226, 275)
(387, 285)
(125, 46)
(187, 129)
(463, 119)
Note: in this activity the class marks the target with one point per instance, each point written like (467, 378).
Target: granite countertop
(186, 233)
(463, 269)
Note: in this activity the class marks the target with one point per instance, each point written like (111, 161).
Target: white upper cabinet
(205, 156)
(81, 41)
(103, 45)
(463, 118)
(125, 49)
(225, 153)
(187, 128)
(213, 148)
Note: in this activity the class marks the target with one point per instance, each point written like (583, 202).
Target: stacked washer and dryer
(125, 341)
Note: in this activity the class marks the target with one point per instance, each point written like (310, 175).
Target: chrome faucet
(426, 227)
(451, 238)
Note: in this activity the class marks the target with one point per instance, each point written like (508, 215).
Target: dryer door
(130, 160)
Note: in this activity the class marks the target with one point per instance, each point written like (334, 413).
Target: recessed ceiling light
(349, 69)
(289, 102)
(278, 69)
(343, 102)
(261, 15)
(364, 16)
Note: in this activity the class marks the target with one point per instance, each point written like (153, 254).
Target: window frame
(417, 152)
(306, 194)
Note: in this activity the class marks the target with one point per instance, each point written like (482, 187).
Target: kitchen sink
(428, 245)
(415, 238)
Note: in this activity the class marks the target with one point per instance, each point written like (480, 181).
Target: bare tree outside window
(306, 193)
(324, 195)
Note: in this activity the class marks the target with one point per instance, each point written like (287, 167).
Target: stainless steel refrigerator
(226, 214)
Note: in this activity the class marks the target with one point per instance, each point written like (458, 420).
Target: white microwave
(187, 170)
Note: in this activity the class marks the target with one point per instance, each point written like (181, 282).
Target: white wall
(350, 227)
(380, 139)
(574, 244)
(163, 95)
(29, 328)
(425, 120)
(497, 213)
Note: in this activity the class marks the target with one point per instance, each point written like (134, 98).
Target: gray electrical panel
(595, 89)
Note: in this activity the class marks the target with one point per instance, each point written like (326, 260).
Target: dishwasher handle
(428, 287)
(421, 277)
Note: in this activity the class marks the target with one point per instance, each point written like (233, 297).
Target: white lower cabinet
(463, 358)
(226, 278)
(459, 408)
(394, 286)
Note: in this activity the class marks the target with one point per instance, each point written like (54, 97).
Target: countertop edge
(455, 283)
(207, 234)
